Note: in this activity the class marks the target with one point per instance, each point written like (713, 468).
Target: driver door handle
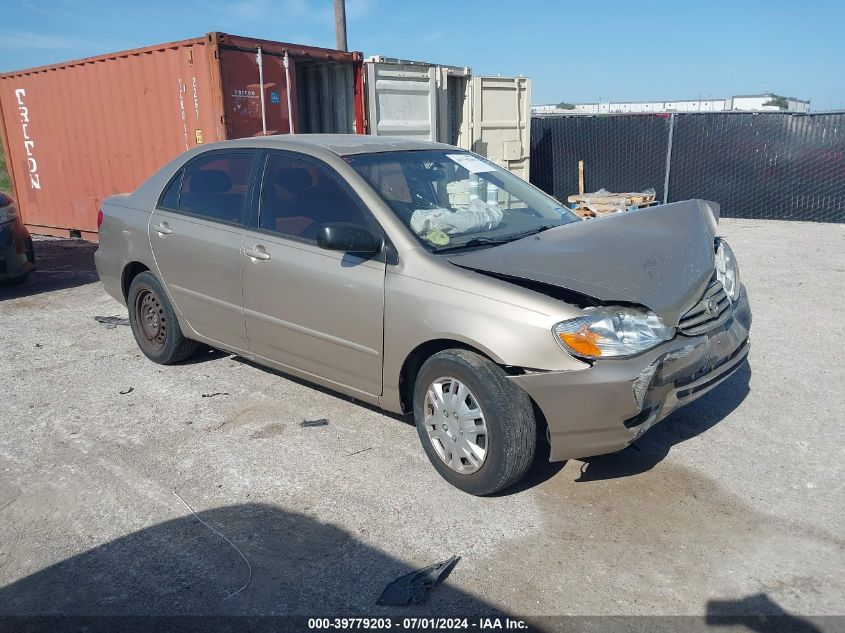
(257, 253)
(163, 229)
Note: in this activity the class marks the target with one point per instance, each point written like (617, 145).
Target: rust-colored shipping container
(76, 132)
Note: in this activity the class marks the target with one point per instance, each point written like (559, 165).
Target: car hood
(661, 257)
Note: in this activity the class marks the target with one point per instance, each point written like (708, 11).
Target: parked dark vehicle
(422, 278)
(17, 257)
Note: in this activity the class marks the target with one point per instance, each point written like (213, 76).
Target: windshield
(454, 199)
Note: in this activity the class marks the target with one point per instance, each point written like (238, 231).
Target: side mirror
(349, 238)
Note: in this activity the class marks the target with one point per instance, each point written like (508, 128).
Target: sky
(573, 51)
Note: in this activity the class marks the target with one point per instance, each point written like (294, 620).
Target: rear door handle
(163, 229)
(257, 252)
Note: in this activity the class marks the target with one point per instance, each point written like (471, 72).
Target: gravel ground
(732, 505)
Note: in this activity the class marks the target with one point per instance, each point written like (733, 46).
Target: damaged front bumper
(604, 408)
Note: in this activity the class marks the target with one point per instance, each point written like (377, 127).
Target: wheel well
(415, 360)
(130, 271)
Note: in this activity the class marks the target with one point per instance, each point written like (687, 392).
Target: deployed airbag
(476, 216)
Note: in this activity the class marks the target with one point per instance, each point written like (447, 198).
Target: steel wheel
(150, 317)
(455, 425)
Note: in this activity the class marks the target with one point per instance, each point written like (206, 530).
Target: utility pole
(340, 23)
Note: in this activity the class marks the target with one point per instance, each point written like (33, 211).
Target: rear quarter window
(170, 197)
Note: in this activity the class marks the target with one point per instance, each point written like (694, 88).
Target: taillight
(99, 218)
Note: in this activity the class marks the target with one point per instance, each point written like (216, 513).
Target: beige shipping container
(487, 115)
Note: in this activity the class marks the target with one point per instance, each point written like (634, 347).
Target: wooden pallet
(592, 205)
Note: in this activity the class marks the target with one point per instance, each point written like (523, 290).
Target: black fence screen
(756, 165)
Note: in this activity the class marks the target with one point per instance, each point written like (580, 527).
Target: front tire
(476, 426)
(154, 323)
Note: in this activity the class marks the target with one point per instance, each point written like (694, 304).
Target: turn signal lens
(99, 218)
(581, 342)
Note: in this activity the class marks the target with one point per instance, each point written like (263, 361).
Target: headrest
(210, 181)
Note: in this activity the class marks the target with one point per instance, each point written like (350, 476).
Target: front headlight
(727, 270)
(612, 332)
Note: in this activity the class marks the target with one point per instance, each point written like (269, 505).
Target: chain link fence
(770, 165)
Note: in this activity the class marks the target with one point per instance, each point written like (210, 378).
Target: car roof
(340, 144)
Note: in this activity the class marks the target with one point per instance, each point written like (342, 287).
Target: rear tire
(154, 323)
(458, 395)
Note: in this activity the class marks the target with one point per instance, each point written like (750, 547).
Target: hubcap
(149, 315)
(455, 425)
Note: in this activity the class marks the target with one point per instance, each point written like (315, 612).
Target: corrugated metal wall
(80, 131)
(114, 120)
(242, 93)
(774, 165)
(325, 97)
(501, 121)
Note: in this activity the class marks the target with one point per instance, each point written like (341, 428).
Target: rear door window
(214, 186)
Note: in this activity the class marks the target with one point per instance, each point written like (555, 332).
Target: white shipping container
(487, 115)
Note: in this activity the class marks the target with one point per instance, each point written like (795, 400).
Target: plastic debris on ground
(413, 587)
(311, 423)
(111, 322)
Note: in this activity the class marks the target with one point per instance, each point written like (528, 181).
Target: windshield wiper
(495, 241)
(477, 241)
(540, 229)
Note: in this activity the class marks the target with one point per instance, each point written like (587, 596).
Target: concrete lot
(732, 505)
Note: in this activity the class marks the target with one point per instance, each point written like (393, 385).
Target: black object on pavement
(111, 322)
(414, 586)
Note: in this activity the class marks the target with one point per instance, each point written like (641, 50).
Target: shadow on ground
(184, 575)
(299, 566)
(62, 263)
(405, 419)
(682, 425)
(760, 613)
